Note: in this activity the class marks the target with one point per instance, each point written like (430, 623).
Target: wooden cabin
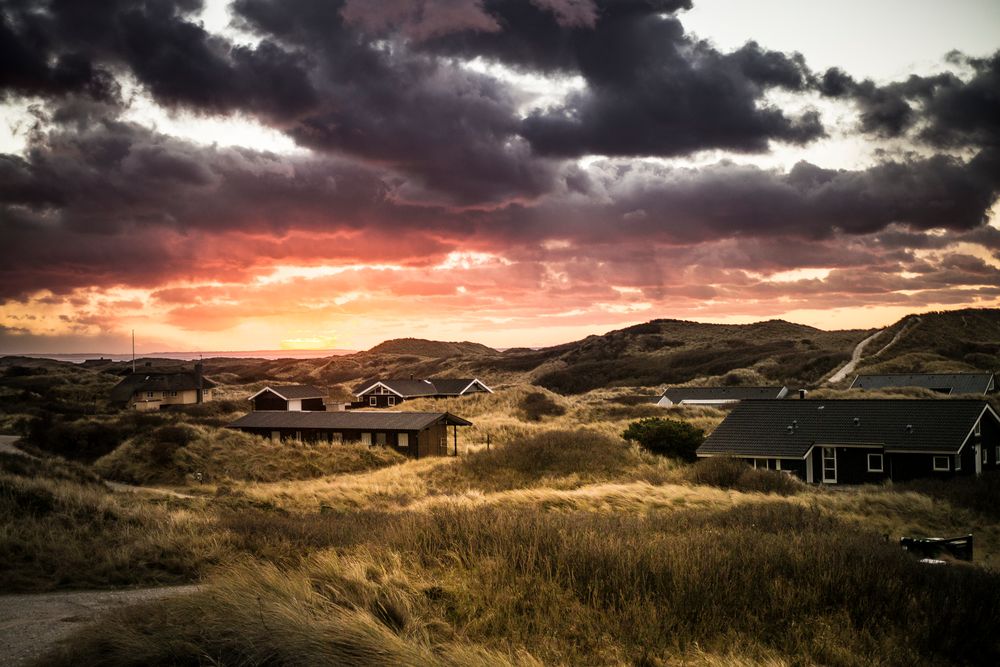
(293, 397)
(861, 441)
(942, 383)
(717, 395)
(414, 434)
(389, 393)
(150, 390)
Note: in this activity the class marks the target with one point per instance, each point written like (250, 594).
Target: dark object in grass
(959, 548)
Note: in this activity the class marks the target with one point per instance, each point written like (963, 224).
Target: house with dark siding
(414, 434)
(293, 397)
(717, 395)
(943, 383)
(861, 441)
(388, 393)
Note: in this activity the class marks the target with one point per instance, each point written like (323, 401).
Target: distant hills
(647, 355)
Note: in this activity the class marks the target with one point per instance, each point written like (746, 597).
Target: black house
(943, 383)
(294, 397)
(388, 393)
(415, 434)
(861, 441)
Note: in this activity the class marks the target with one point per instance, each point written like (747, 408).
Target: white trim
(979, 419)
(390, 400)
(279, 395)
(940, 452)
(881, 462)
(947, 463)
(755, 456)
(373, 400)
(378, 384)
(809, 467)
(823, 459)
(475, 381)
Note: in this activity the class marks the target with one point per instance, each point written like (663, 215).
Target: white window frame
(978, 428)
(391, 401)
(760, 466)
(823, 469)
(985, 454)
(173, 393)
(881, 462)
(403, 440)
(372, 400)
(149, 394)
(366, 439)
(947, 463)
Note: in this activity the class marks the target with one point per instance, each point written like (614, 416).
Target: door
(829, 465)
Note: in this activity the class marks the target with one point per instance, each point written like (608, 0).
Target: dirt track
(31, 624)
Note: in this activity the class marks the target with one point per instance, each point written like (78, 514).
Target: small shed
(292, 397)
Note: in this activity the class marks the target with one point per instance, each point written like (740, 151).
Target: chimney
(802, 393)
(199, 383)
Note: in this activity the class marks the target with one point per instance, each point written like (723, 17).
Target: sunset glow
(460, 181)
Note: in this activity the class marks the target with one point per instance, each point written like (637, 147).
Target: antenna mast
(133, 351)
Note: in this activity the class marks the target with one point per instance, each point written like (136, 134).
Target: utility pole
(133, 351)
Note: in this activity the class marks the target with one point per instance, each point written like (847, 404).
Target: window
(149, 394)
(942, 463)
(760, 464)
(276, 437)
(372, 400)
(298, 436)
(366, 439)
(403, 440)
(978, 429)
(380, 439)
(829, 465)
(392, 400)
(173, 393)
(875, 463)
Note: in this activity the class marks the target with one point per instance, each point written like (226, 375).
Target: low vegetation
(182, 454)
(667, 437)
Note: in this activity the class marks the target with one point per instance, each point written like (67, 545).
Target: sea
(79, 358)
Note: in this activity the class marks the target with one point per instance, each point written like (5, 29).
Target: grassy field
(561, 544)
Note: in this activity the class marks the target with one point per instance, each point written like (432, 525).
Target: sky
(313, 174)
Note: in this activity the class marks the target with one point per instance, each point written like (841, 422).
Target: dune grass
(62, 528)
(174, 454)
(495, 584)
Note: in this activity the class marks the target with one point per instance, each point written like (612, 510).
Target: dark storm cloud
(949, 111)
(651, 88)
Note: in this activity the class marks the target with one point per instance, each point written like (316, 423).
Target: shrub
(536, 405)
(730, 473)
(668, 437)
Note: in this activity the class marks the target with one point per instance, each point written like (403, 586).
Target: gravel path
(31, 624)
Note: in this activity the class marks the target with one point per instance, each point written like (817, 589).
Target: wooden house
(415, 434)
(717, 395)
(294, 397)
(943, 383)
(861, 441)
(388, 393)
(152, 390)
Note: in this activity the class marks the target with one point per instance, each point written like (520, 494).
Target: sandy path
(849, 367)
(31, 624)
(7, 446)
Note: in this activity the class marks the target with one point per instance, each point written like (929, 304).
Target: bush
(729, 473)
(668, 437)
(537, 405)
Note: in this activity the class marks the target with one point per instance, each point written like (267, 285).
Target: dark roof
(760, 428)
(954, 383)
(418, 388)
(293, 391)
(678, 394)
(352, 419)
(181, 381)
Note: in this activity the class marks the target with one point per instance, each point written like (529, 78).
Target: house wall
(140, 400)
(990, 440)
(795, 466)
(905, 467)
(327, 436)
(381, 400)
(852, 465)
(434, 441)
(313, 404)
(269, 401)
